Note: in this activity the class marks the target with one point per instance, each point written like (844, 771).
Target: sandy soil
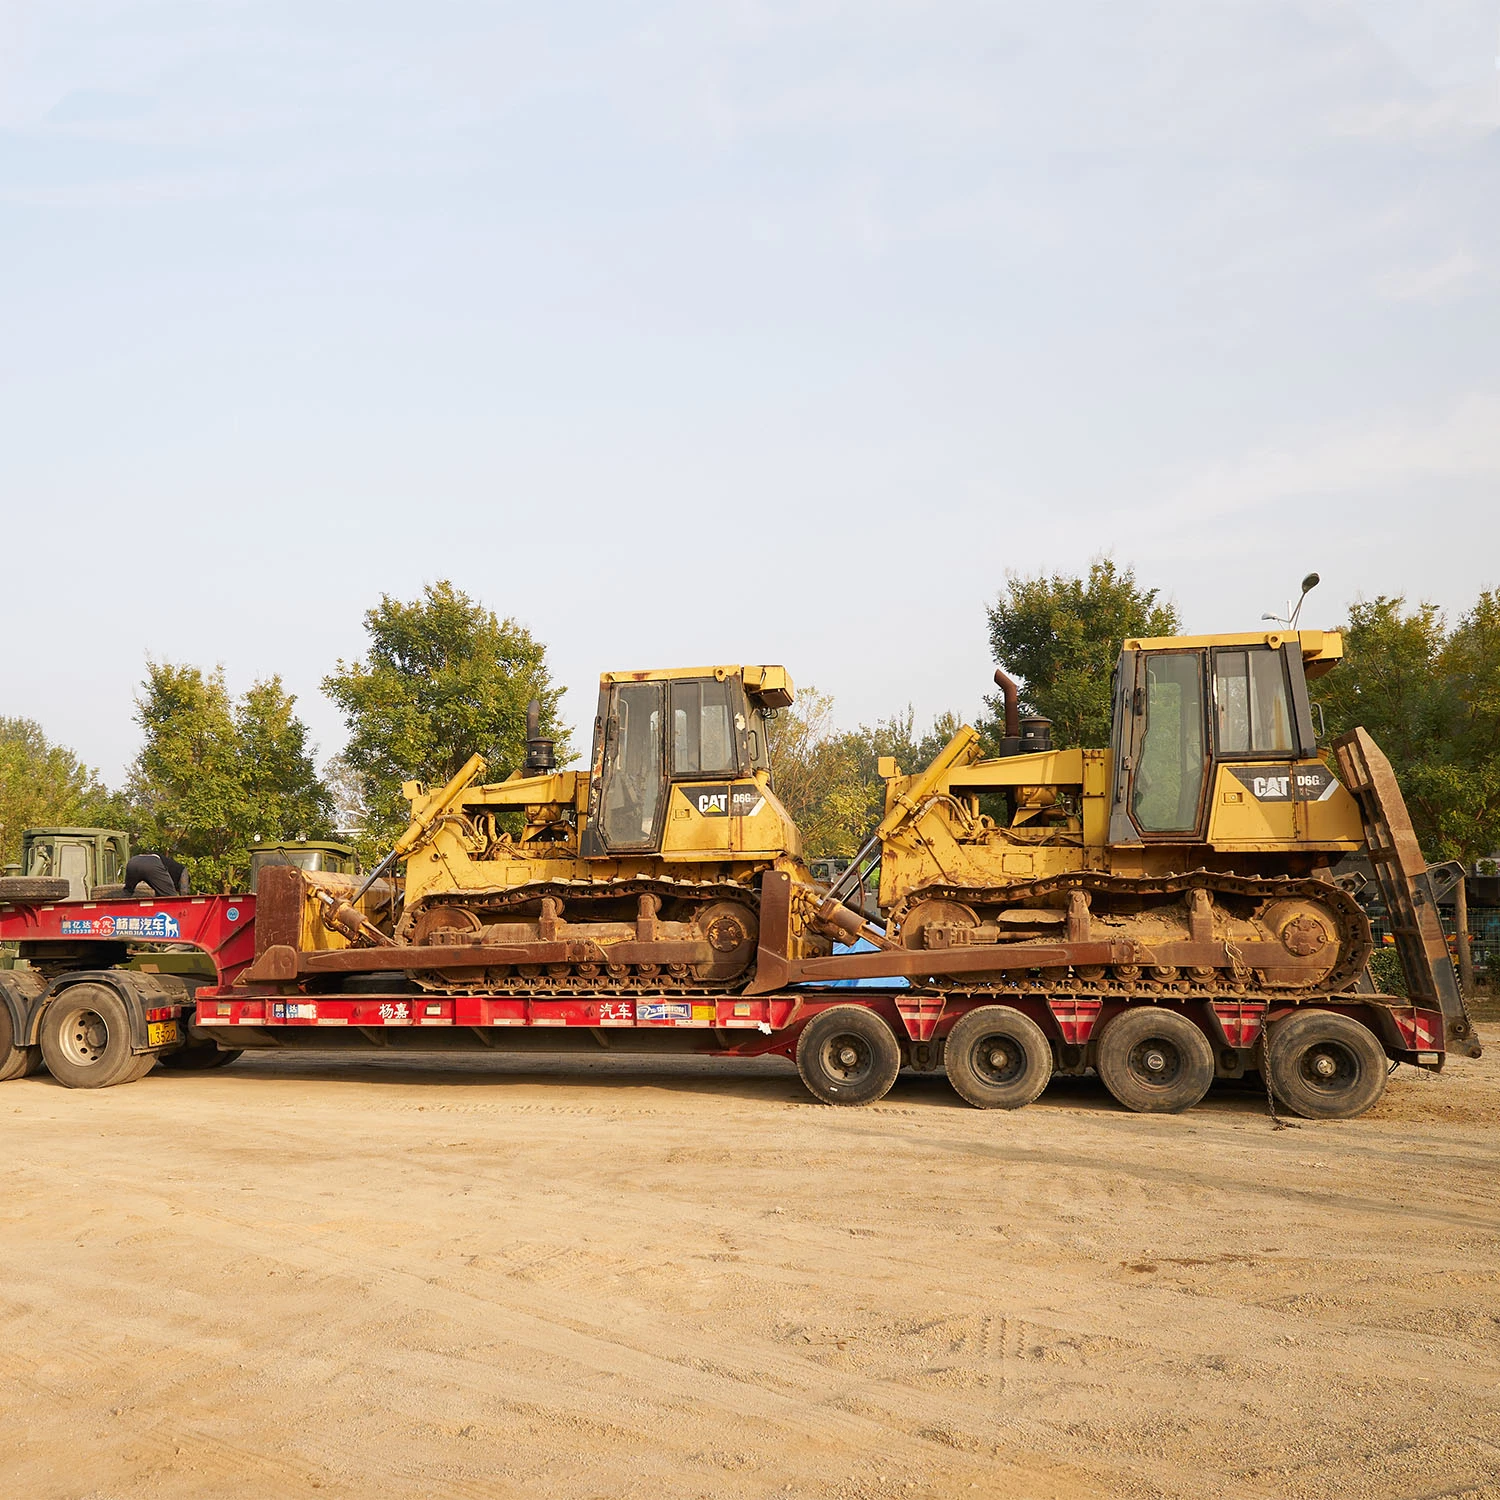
(665, 1278)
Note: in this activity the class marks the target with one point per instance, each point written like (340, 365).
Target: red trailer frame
(231, 1014)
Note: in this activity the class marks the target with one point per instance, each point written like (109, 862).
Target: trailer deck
(225, 1012)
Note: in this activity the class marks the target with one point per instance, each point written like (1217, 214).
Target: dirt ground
(504, 1277)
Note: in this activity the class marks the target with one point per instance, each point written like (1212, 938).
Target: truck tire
(107, 893)
(1154, 1061)
(199, 1057)
(34, 888)
(848, 1055)
(144, 1063)
(1326, 1066)
(997, 1058)
(15, 1062)
(86, 1039)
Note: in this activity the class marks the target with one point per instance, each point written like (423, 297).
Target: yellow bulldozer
(1202, 838)
(640, 873)
(1192, 858)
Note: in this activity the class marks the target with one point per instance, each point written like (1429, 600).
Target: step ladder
(1407, 886)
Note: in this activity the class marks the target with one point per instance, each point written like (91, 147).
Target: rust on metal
(1401, 870)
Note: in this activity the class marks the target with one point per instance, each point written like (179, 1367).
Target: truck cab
(85, 857)
(318, 856)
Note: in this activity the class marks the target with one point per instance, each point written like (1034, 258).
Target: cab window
(1252, 707)
(1169, 774)
(702, 729)
(633, 765)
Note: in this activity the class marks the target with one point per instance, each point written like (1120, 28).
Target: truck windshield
(1169, 777)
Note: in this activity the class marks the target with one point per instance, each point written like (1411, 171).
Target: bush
(1385, 971)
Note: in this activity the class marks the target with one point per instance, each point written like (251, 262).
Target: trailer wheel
(1325, 1066)
(848, 1055)
(34, 888)
(1154, 1061)
(997, 1058)
(15, 1062)
(86, 1039)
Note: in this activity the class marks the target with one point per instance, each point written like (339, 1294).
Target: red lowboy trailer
(93, 1022)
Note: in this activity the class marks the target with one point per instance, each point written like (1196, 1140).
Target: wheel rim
(1155, 1062)
(847, 1058)
(84, 1037)
(998, 1059)
(1329, 1068)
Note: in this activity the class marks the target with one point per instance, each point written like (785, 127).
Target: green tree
(214, 772)
(1430, 697)
(443, 678)
(828, 778)
(1060, 635)
(818, 776)
(42, 784)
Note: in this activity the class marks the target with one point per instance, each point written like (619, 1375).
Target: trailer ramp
(1408, 887)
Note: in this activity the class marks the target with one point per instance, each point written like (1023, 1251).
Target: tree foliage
(1061, 635)
(214, 772)
(42, 784)
(827, 779)
(443, 678)
(1430, 696)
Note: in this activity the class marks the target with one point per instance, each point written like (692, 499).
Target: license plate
(162, 1033)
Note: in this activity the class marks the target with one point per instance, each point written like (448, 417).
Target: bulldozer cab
(680, 760)
(1213, 739)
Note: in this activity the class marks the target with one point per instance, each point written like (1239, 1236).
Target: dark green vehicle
(66, 864)
(307, 854)
(77, 864)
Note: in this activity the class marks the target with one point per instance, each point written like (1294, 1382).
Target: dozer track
(1235, 975)
(558, 914)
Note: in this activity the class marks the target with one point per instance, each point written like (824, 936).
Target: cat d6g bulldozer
(1193, 857)
(641, 872)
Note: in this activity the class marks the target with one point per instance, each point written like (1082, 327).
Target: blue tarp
(862, 946)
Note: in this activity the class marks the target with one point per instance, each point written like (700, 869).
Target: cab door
(627, 794)
(1161, 752)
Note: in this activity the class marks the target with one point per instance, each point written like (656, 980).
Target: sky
(697, 333)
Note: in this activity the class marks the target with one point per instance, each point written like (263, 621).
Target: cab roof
(1321, 649)
(772, 685)
(74, 833)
